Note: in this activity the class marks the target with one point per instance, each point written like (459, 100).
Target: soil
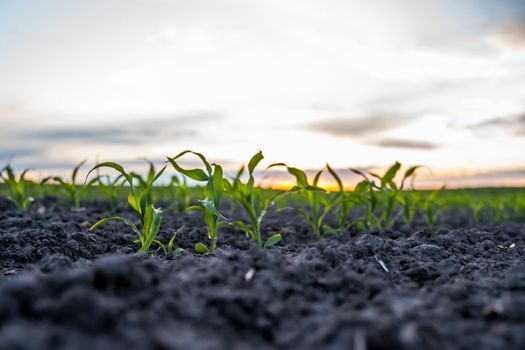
(62, 287)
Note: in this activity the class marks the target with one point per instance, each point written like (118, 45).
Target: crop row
(376, 202)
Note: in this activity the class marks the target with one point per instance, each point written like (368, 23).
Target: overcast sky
(354, 83)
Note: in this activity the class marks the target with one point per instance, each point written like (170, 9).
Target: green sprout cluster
(376, 202)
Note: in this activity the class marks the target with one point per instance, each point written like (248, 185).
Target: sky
(353, 83)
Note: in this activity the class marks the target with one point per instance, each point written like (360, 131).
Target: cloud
(62, 134)
(511, 124)
(141, 131)
(406, 144)
(357, 127)
(45, 164)
(9, 154)
(505, 173)
(367, 128)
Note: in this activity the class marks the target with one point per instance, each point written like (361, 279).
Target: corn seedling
(319, 205)
(180, 193)
(253, 202)
(369, 199)
(409, 199)
(18, 189)
(138, 199)
(169, 247)
(236, 183)
(432, 207)
(344, 201)
(210, 205)
(74, 191)
(110, 188)
(410, 202)
(143, 182)
(384, 194)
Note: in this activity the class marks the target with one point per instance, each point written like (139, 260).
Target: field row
(376, 202)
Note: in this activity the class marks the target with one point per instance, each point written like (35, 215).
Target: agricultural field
(121, 260)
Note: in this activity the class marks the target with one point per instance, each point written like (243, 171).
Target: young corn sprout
(236, 181)
(319, 204)
(383, 196)
(367, 197)
(143, 182)
(388, 192)
(111, 188)
(255, 206)
(410, 201)
(180, 193)
(138, 199)
(431, 207)
(18, 189)
(74, 191)
(344, 201)
(209, 206)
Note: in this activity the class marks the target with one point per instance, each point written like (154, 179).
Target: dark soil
(62, 287)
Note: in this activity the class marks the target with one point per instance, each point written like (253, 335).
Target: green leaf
(75, 171)
(170, 243)
(134, 201)
(203, 159)
(115, 166)
(360, 173)
(172, 240)
(23, 175)
(151, 227)
(195, 208)
(273, 240)
(217, 183)
(300, 176)
(195, 174)
(390, 174)
(243, 227)
(228, 187)
(410, 172)
(336, 177)
(151, 172)
(201, 248)
(210, 207)
(256, 159)
(116, 218)
(239, 174)
(157, 176)
(362, 187)
(317, 176)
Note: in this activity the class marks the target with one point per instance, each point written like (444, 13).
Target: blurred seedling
(318, 202)
(18, 190)
(139, 200)
(254, 203)
(73, 190)
(213, 176)
(180, 193)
